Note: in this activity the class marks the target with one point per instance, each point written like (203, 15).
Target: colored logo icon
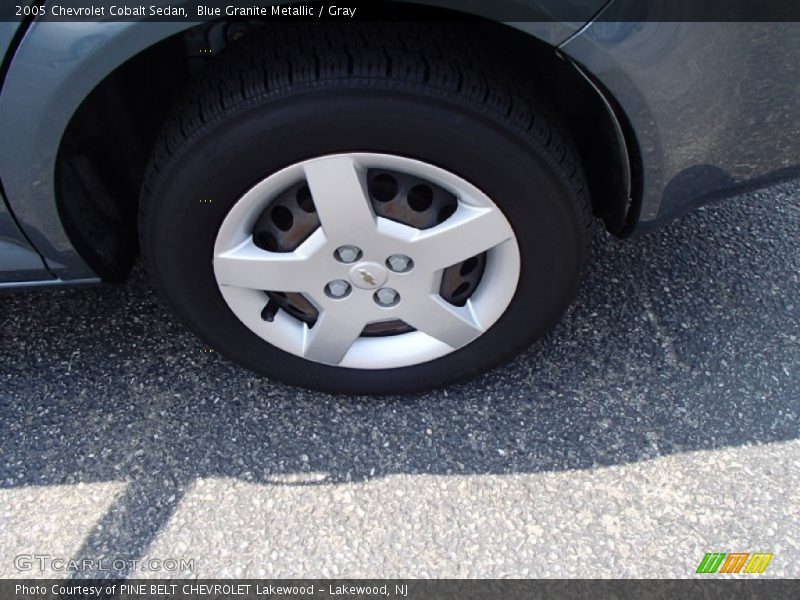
(734, 562)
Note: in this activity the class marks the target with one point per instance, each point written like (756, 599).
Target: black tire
(279, 97)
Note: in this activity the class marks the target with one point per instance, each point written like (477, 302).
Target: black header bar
(574, 11)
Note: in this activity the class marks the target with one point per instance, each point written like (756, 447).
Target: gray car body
(712, 108)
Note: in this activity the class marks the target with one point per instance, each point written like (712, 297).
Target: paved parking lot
(657, 422)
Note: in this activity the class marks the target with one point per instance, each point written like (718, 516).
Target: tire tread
(429, 56)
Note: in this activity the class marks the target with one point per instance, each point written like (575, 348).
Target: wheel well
(108, 142)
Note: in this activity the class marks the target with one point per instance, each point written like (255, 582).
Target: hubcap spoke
(332, 336)
(453, 325)
(248, 266)
(467, 233)
(339, 189)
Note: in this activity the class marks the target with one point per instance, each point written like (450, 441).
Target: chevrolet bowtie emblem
(367, 277)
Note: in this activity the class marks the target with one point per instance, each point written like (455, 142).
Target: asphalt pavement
(659, 421)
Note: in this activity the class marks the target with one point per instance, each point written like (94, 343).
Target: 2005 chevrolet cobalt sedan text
(375, 206)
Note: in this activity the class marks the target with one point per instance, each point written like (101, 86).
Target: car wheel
(364, 220)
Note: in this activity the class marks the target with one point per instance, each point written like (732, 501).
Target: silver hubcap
(361, 270)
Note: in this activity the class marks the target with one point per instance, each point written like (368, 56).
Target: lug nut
(387, 297)
(348, 254)
(338, 288)
(399, 263)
